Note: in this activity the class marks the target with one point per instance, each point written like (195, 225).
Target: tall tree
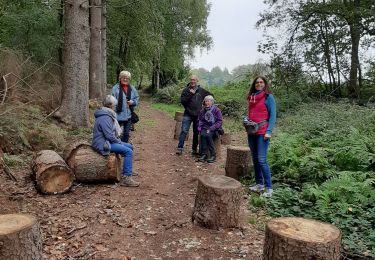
(95, 80)
(104, 47)
(74, 107)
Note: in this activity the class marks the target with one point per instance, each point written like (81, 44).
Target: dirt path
(153, 221)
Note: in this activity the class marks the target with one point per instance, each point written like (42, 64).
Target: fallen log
(90, 166)
(51, 174)
(293, 238)
(217, 202)
(20, 237)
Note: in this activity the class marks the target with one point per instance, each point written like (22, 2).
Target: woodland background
(56, 55)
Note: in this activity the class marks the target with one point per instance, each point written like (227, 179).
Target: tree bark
(217, 202)
(238, 161)
(177, 129)
(104, 47)
(95, 80)
(20, 237)
(51, 174)
(90, 166)
(74, 107)
(299, 239)
(217, 145)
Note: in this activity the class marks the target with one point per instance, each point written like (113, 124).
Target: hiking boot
(194, 153)
(257, 188)
(211, 159)
(202, 158)
(267, 194)
(179, 151)
(135, 174)
(127, 181)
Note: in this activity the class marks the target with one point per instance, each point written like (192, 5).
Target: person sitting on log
(209, 121)
(106, 139)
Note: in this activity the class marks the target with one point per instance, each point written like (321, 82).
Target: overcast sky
(231, 25)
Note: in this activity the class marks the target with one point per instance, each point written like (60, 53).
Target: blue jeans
(126, 150)
(126, 130)
(186, 122)
(259, 149)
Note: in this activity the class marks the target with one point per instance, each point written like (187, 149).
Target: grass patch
(170, 109)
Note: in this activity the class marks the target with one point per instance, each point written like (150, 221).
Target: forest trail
(153, 221)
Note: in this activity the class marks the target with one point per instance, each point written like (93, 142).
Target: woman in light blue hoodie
(106, 139)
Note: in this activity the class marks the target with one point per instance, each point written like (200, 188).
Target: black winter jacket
(193, 102)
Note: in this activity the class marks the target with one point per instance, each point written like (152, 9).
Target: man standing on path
(191, 98)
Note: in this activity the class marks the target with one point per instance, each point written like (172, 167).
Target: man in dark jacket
(191, 98)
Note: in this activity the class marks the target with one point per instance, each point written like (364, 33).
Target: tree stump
(217, 203)
(20, 237)
(238, 161)
(226, 139)
(90, 166)
(177, 130)
(299, 239)
(51, 174)
(178, 116)
(217, 145)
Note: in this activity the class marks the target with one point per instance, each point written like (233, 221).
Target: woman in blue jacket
(128, 99)
(106, 139)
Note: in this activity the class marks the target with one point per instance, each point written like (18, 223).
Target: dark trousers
(207, 143)
(125, 125)
(186, 122)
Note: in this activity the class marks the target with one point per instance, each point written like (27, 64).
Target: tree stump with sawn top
(20, 237)
(238, 161)
(293, 238)
(217, 145)
(90, 166)
(178, 116)
(217, 202)
(51, 174)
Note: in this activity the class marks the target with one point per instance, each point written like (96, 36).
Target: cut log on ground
(20, 237)
(217, 203)
(90, 166)
(217, 145)
(299, 239)
(226, 139)
(51, 174)
(238, 161)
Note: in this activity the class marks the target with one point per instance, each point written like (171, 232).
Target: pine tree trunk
(95, 80)
(217, 202)
(51, 174)
(74, 107)
(90, 166)
(299, 239)
(238, 161)
(20, 237)
(104, 47)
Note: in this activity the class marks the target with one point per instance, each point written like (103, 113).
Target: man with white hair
(191, 98)
(128, 98)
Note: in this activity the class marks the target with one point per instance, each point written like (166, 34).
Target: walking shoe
(202, 158)
(211, 159)
(135, 174)
(127, 181)
(257, 188)
(194, 153)
(179, 151)
(267, 194)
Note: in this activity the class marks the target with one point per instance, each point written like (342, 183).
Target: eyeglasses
(259, 82)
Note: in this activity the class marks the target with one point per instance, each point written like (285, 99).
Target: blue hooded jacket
(125, 113)
(104, 132)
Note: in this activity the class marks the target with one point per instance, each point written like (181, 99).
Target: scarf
(118, 130)
(208, 116)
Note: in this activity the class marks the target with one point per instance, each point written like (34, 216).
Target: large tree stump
(51, 174)
(238, 161)
(20, 237)
(217, 203)
(226, 139)
(177, 129)
(300, 239)
(90, 166)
